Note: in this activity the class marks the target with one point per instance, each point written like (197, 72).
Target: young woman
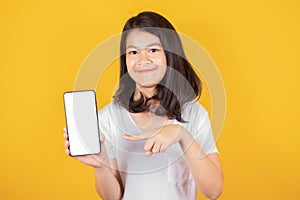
(158, 139)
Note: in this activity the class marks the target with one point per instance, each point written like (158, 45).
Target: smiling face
(145, 59)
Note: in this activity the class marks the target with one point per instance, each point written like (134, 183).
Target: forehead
(139, 38)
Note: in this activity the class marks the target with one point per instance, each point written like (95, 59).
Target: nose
(144, 57)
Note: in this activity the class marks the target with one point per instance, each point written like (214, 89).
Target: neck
(147, 91)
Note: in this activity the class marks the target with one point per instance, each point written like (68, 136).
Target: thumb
(102, 138)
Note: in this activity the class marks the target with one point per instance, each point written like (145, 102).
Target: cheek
(129, 63)
(161, 60)
(164, 61)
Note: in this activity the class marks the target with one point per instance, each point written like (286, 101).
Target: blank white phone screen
(82, 122)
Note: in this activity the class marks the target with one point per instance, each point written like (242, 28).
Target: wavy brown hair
(179, 85)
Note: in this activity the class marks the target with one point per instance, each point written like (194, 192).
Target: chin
(146, 84)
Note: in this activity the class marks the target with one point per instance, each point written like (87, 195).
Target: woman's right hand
(97, 161)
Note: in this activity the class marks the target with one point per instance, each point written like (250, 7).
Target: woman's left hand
(160, 139)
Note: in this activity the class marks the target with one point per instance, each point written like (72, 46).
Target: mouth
(145, 69)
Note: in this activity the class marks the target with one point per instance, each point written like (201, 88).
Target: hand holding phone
(96, 161)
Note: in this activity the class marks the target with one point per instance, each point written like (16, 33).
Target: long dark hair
(179, 85)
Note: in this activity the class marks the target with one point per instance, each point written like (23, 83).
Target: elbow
(216, 188)
(215, 192)
(214, 195)
(212, 190)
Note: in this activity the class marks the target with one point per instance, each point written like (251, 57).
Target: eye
(153, 50)
(132, 52)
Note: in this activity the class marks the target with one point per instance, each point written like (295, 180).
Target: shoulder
(111, 112)
(106, 112)
(108, 115)
(109, 108)
(194, 109)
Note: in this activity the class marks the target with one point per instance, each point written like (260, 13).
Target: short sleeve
(204, 135)
(105, 129)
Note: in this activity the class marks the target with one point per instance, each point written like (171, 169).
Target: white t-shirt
(160, 176)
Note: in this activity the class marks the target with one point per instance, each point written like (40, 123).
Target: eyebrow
(153, 44)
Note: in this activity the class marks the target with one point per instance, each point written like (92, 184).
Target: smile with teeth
(145, 68)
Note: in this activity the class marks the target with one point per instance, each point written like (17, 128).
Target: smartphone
(82, 122)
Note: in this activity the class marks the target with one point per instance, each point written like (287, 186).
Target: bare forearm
(107, 185)
(207, 176)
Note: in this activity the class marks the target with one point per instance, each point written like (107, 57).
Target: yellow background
(255, 45)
